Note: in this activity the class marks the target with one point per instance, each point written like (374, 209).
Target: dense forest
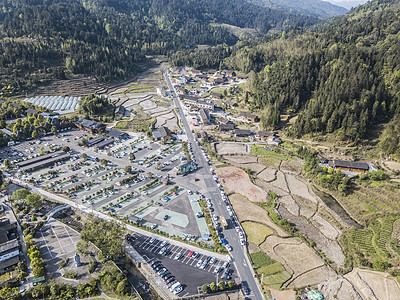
(317, 8)
(341, 77)
(42, 40)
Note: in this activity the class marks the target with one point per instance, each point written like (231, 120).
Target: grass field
(136, 125)
(260, 150)
(260, 259)
(137, 88)
(256, 233)
(274, 274)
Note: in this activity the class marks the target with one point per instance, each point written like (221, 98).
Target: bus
(224, 222)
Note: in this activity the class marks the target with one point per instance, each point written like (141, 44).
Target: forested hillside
(46, 39)
(342, 77)
(317, 8)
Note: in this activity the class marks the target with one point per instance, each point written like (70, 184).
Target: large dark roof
(105, 143)
(229, 126)
(9, 245)
(245, 132)
(247, 115)
(164, 131)
(350, 164)
(31, 111)
(204, 114)
(9, 262)
(89, 124)
(95, 140)
(265, 133)
(116, 133)
(188, 97)
(39, 158)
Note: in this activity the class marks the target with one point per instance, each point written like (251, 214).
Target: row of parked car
(169, 279)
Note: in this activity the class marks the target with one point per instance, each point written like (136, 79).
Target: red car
(190, 253)
(196, 179)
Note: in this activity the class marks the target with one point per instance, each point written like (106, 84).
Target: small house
(246, 117)
(204, 116)
(350, 166)
(242, 132)
(217, 96)
(230, 104)
(226, 127)
(120, 111)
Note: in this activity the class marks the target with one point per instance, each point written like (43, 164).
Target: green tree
(204, 288)
(103, 162)
(35, 134)
(34, 200)
(213, 287)
(231, 284)
(84, 156)
(221, 285)
(7, 163)
(123, 287)
(54, 130)
(20, 194)
(128, 169)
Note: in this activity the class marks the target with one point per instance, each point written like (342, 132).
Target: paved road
(105, 217)
(239, 252)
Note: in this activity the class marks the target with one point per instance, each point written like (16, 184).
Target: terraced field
(375, 243)
(365, 202)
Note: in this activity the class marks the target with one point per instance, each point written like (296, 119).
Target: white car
(229, 258)
(243, 242)
(178, 256)
(199, 263)
(228, 247)
(241, 235)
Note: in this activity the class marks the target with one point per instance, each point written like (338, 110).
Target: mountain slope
(46, 39)
(316, 8)
(340, 78)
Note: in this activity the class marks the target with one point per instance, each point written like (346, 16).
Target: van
(174, 286)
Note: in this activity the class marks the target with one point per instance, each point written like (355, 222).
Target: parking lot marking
(66, 230)
(44, 242)
(62, 248)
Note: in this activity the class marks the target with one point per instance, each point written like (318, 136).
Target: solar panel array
(58, 104)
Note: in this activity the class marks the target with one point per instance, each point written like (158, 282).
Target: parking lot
(191, 269)
(109, 189)
(56, 242)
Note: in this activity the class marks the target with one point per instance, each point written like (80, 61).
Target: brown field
(268, 174)
(231, 148)
(297, 259)
(237, 181)
(247, 211)
(241, 159)
(372, 284)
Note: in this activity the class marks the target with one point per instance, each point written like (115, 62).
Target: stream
(337, 208)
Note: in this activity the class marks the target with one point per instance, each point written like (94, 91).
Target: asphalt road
(239, 252)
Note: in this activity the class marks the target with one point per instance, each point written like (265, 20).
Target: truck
(224, 222)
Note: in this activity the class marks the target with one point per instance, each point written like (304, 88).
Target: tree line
(339, 77)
